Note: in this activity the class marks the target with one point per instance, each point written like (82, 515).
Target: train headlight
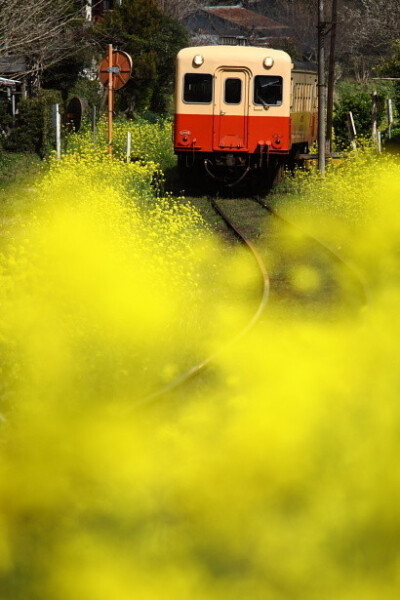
(268, 62)
(198, 60)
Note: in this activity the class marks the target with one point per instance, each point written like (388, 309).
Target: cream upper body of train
(241, 107)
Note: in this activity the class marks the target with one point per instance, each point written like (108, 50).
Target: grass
(17, 169)
(18, 172)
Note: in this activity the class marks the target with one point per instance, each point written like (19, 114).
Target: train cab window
(268, 90)
(233, 91)
(197, 88)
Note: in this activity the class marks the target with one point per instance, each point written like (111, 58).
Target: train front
(232, 110)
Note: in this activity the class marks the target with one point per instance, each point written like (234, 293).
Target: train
(241, 112)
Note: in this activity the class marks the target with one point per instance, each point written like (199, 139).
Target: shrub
(151, 141)
(89, 90)
(153, 40)
(5, 117)
(358, 100)
(34, 130)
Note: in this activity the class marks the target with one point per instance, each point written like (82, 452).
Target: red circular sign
(121, 69)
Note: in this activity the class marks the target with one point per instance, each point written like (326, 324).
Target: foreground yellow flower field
(275, 477)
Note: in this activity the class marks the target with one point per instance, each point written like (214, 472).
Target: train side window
(268, 90)
(197, 88)
(233, 91)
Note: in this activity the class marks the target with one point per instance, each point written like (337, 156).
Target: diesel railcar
(240, 110)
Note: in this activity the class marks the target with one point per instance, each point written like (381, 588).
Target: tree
(369, 28)
(378, 23)
(44, 32)
(152, 39)
(178, 9)
(391, 68)
(300, 16)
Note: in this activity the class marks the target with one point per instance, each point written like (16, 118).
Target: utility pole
(331, 76)
(321, 86)
(110, 100)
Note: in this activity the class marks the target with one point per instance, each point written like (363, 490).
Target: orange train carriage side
(240, 110)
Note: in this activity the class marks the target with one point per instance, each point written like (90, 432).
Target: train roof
(220, 53)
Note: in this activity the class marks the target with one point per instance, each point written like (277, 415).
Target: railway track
(265, 284)
(264, 295)
(330, 252)
(289, 248)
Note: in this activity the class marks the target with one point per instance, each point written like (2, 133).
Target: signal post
(115, 72)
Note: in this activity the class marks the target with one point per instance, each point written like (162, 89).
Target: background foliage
(153, 40)
(356, 98)
(34, 131)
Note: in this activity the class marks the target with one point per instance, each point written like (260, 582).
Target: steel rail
(333, 253)
(200, 367)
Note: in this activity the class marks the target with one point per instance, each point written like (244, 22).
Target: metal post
(390, 116)
(374, 130)
(379, 141)
(57, 127)
(321, 86)
(352, 130)
(128, 147)
(58, 132)
(110, 99)
(94, 124)
(88, 11)
(13, 107)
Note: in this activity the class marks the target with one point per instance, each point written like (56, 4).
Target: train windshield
(268, 90)
(233, 91)
(197, 88)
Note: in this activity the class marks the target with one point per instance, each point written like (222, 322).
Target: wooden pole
(110, 99)
(331, 77)
(321, 86)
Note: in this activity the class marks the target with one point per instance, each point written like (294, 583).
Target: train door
(231, 103)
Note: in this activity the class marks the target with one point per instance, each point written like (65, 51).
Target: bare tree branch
(42, 31)
(178, 9)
